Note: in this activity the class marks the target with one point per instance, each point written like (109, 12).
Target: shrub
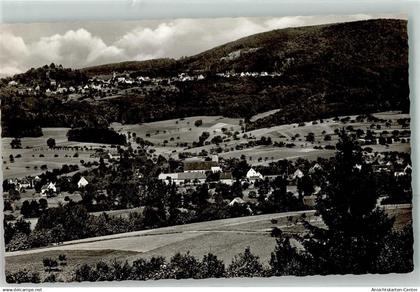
(184, 266)
(22, 277)
(245, 265)
(286, 261)
(51, 278)
(212, 267)
(49, 264)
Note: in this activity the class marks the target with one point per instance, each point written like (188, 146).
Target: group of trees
(96, 135)
(33, 208)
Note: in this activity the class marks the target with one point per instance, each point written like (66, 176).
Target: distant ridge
(322, 71)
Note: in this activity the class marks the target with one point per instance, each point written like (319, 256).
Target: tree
(285, 260)
(245, 265)
(49, 264)
(22, 277)
(310, 137)
(397, 254)
(16, 143)
(144, 270)
(212, 267)
(85, 273)
(198, 123)
(356, 229)
(51, 142)
(184, 266)
(25, 209)
(43, 204)
(14, 195)
(62, 259)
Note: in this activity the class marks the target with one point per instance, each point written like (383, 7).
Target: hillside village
(98, 88)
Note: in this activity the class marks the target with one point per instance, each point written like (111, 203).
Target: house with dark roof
(199, 166)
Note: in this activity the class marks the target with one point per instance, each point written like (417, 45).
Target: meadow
(224, 238)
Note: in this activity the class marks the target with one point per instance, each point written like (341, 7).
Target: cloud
(190, 36)
(78, 47)
(75, 48)
(12, 51)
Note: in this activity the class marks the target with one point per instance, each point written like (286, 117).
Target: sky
(83, 44)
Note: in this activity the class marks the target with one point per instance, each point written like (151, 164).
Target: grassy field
(178, 131)
(35, 153)
(225, 238)
(74, 259)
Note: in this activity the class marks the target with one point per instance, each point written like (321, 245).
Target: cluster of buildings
(112, 85)
(195, 172)
(248, 74)
(47, 189)
(25, 183)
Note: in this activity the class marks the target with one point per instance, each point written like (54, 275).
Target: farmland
(171, 137)
(177, 132)
(35, 153)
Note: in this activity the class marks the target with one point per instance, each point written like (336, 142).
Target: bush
(85, 273)
(198, 123)
(49, 264)
(22, 277)
(286, 261)
(245, 265)
(212, 267)
(184, 267)
(51, 278)
(144, 270)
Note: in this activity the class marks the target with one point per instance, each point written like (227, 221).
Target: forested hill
(368, 44)
(326, 69)
(320, 71)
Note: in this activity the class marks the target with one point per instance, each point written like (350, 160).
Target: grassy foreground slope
(225, 238)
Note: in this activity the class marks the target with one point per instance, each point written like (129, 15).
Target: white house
(216, 169)
(314, 168)
(82, 182)
(237, 200)
(167, 177)
(183, 178)
(50, 187)
(297, 174)
(253, 175)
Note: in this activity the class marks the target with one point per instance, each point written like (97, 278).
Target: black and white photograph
(206, 148)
